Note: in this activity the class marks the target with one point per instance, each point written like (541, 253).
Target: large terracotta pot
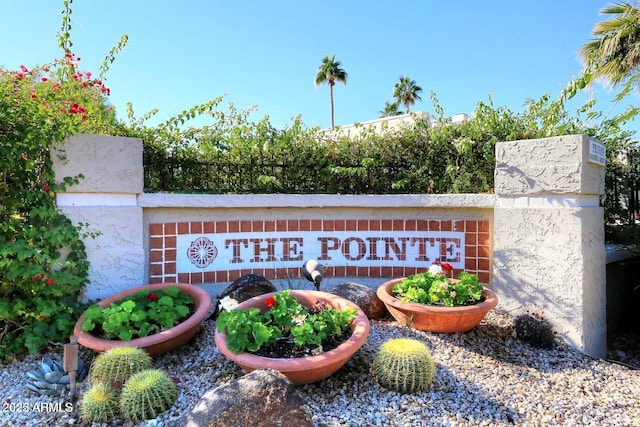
(157, 344)
(303, 370)
(436, 318)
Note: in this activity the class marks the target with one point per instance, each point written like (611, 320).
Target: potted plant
(156, 318)
(307, 335)
(431, 301)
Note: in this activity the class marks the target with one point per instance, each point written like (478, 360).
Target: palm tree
(406, 92)
(330, 72)
(614, 54)
(390, 109)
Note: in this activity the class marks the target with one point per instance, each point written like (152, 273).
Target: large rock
(363, 296)
(262, 398)
(247, 286)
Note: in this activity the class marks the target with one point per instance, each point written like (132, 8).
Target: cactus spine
(116, 365)
(404, 365)
(147, 394)
(99, 404)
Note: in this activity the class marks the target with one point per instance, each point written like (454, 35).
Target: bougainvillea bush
(43, 266)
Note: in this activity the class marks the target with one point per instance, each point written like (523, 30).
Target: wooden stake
(70, 363)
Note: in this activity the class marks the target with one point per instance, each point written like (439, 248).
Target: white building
(392, 123)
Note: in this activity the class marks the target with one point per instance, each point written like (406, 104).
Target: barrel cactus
(147, 394)
(117, 364)
(404, 365)
(99, 404)
(50, 378)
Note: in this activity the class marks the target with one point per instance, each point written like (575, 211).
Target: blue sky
(266, 53)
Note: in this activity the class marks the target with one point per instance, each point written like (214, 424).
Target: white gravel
(484, 378)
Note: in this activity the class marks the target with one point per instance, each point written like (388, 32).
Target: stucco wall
(106, 200)
(542, 239)
(549, 254)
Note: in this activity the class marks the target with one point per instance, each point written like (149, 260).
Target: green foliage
(116, 365)
(404, 365)
(139, 315)
(99, 404)
(438, 289)
(235, 155)
(147, 394)
(43, 265)
(251, 329)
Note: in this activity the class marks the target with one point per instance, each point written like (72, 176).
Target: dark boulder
(363, 296)
(262, 398)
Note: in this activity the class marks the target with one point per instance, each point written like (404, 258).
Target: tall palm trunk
(331, 84)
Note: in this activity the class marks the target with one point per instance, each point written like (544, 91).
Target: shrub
(43, 265)
(535, 330)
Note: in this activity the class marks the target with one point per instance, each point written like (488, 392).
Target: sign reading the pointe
(236, 251)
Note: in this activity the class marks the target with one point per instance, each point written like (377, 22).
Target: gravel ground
(484, 378)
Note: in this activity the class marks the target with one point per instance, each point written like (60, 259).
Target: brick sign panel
(222, 251)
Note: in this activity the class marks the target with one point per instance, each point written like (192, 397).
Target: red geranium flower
(270, 302)
(152, 297)
(446, 266)
(45, 187)
(49, 281)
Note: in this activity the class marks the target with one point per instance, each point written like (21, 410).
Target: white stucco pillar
(107, 199)
(549, 253)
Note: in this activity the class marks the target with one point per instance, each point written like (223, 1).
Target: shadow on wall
(528, 295)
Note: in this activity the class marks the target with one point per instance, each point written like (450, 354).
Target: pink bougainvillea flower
(270, 302)
(49, 281)
(152, 297)
(24, 69)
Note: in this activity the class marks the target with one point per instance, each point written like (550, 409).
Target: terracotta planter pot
(157, 344)
(436, 318)
(303, 370)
